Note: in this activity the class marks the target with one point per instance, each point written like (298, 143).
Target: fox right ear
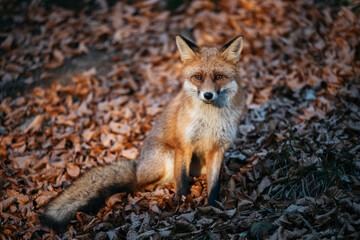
(186, 48)
(232, 50)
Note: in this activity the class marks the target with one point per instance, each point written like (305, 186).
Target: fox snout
(208, 96)
(208, 88)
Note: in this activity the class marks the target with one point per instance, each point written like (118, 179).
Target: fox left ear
(232, 50)
(186, 48)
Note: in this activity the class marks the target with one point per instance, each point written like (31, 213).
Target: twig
(303, 187)
(316, 234)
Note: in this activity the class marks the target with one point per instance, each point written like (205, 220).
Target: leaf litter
(293, 171)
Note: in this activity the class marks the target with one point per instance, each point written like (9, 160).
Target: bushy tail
(89, 192)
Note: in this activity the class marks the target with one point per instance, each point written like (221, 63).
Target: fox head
(210, 72)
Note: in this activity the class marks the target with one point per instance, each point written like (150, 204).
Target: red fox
(189, 139)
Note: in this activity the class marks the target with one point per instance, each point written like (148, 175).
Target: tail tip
(53, 223)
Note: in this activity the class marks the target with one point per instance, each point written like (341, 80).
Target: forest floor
(82, 86)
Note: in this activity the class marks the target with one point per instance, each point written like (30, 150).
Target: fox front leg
(214, 160)
(182, 170)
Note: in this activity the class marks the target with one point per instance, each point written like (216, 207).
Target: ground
(83, 83)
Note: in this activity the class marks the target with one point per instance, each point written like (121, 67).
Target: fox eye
(219, 76)
(197, 77)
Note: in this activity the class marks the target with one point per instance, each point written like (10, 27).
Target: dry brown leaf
(42, 200)
(3, 150)
(35, 125)
(119, 128)
(23, 199)
(46, 75)
(88, 134)
(117, 147)
(59, 56)
(187, 216)
(115, 198)
(107, 139)
(130, 153)
(152, 111)
(11, 67)
(73, 170)
(41, 163)
(23, 162)
(265, 182)
(6, 203)
(349, 14)
(155, 208)
(51, 65)
(7, 43)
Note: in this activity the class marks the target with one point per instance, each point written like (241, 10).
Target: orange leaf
(119, 128)
(23, 198)
(3, 150)
(73, 170)
(42, 200)
(21, 162)
(130, 153)
(114, 199)
(35, 124)
(6, 203)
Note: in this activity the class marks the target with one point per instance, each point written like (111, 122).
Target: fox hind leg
(155, 167)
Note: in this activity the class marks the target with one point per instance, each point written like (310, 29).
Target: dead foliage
(293, 172)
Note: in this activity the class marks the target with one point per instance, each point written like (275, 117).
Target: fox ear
(186, 48)
(232, 50)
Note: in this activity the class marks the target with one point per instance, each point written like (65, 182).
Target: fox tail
(89, 192)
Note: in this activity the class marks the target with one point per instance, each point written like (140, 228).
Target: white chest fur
(210, 125)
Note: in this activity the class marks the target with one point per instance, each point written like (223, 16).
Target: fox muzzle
(207, 97)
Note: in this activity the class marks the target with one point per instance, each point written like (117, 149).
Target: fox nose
(208, 95)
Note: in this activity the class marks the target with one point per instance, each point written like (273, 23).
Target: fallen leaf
(130, 153)
(35, 125)
(73, 170)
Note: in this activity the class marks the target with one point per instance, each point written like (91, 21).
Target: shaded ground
(293, 172)
(102, 61)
